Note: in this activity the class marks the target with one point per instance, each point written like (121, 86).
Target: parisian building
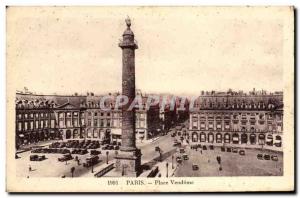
(254, 118)
(59, 117)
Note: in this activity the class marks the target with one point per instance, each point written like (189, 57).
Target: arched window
(218, 138)
(202, 137)
(226, 138)
(194, 137)
(210, 137)
(235, 138)
(244, 138)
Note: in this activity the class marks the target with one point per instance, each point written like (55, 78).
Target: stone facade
(47, 117)
(238, 118)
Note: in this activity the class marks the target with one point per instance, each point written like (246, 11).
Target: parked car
(211, 147)
(223, 149)
(228, 149)
(33, 157)
(204, 147)
(65, 157)
(178, 159)
(90, 161)
(181, 150)
(242, 152)
(234, 150)
(116, 147)
(95, 152)
(185, 157)
(105, 147)
(274, 157)
(260, 156)
(267, 157)
(278, 140)
(269, 140)
(173, 134)
(41, 157)
(195, 167)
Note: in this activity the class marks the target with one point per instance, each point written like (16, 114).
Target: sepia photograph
(149, 99)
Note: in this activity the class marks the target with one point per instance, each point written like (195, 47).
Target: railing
(153, 172)
(104, 170)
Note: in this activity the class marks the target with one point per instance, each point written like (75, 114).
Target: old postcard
(150, 99)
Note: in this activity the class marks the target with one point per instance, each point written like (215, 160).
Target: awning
(116, 131)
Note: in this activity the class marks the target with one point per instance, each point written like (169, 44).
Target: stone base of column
(128, 164)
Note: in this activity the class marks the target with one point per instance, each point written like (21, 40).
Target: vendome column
(128, 161)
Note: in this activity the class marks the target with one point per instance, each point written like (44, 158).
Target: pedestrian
(30, 169)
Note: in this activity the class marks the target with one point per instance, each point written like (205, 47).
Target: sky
(182, 50)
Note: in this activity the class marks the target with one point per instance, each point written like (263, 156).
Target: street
(232, 164)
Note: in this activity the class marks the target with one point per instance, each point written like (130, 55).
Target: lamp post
(167, 165)
(172, 162)
(107, 157)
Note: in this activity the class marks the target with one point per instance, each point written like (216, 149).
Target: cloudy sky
(181, 50)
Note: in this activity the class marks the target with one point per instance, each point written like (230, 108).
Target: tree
(72, 171)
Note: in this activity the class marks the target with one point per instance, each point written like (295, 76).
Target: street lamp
(172, 162)
(167, 164)
(107, 157)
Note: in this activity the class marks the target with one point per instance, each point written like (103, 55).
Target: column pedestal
(128, 164)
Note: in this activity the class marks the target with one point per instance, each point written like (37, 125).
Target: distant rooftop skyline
(65, 50)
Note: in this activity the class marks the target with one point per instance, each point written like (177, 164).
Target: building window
(82, 121)
(26, 115)
(95, 122)
(89, 113)
(68, 122)
(108, 114)
(31, 125)
(61, 123)
(20, 126)
(210, 125)
(36, 124)
(46, 123)
(202, 125)
(68, 114)
(60, 115)
(42, 124)
(75, 122)
(102, 114)
(101, 122)
(142, 124)
(195, 124)
(115, 123)
(42, 115)
(75, 114)
(36, 115)
(52, 124)
(95, 114)
(31, 115)
(20, 116)
(89, 122)
(108, 123)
